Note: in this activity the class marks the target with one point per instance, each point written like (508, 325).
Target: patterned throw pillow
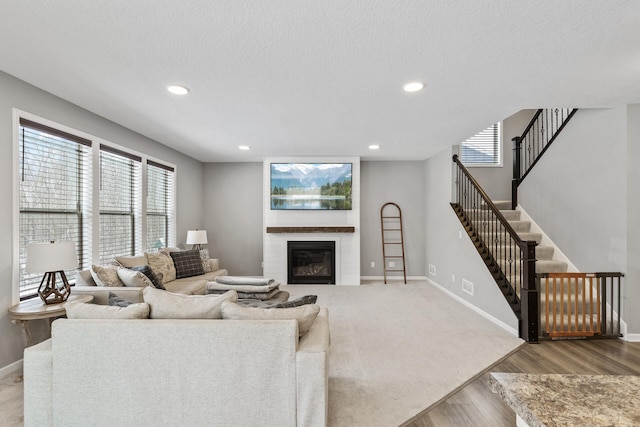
(147, 271)
(187, 263)
(204, 256)
(105, 275)
(162, 265)
(307, 299)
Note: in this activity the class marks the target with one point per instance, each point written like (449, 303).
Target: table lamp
(50, 259)
(197, 238)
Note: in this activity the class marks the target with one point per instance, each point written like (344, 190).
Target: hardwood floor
(475, 405)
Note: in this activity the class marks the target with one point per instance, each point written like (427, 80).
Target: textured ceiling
(317, 78)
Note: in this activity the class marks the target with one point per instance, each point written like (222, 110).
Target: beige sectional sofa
(178, 373)
(194, 285)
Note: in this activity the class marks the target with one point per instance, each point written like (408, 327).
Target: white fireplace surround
(347, 263)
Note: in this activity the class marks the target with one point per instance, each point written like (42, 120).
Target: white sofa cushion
(305, 315)
(81, 310)
(167, 305)
(133, 278)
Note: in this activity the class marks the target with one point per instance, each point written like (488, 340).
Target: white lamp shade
(54, 256)
(197, 237)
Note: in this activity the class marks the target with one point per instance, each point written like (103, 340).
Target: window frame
(91, 204)
(498, 151)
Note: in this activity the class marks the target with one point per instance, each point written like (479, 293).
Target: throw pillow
(206, 264)
(307, 299)
(167, 305)
(82, 310)
(162, 265)
(187, 263)
(105, 275)
(118, 301)
(133, 278)
(147, 271)
(305, 315)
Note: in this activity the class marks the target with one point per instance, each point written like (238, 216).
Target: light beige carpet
(397, 349)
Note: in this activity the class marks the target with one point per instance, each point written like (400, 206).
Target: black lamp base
(52, 293)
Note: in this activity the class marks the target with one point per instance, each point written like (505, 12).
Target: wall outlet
(392, 264)
(453, 277)
(432, 269)
(459, 234)
(467, 286)
(373, 264)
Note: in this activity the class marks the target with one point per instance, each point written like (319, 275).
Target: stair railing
(540, 133)
(510, 259)
(580, 305)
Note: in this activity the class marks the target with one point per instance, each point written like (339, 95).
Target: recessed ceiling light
(413, 86)
(374, 147)
(178, 90)
(244, 147)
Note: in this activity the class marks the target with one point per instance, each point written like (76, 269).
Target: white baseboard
(421, 278)
(9, 369)
(483, 313)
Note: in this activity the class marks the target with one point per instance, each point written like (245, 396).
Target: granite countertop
(571, 400)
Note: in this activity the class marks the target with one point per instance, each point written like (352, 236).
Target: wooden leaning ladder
(392, 240)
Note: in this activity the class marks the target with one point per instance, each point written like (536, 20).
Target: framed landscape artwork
(311, 186)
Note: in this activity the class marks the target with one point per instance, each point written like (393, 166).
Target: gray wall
(450, 250)
(18, 94)
(401, 183)
(577, 191)
(233, 215)
(496, 181)
(632, 279)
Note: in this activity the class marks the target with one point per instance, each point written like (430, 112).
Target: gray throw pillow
(118, 301)
(307, 299)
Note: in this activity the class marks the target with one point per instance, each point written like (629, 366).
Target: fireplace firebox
(311, 262)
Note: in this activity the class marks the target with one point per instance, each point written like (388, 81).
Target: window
(483, 149)
(92, 194)
(120, 197)
(160, 206)
(54, 186)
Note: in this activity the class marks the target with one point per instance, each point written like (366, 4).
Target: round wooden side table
(35, 309)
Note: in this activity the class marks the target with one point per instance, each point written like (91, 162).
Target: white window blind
(483, 149)
(160, 206)
(120, 201)
(54, 186)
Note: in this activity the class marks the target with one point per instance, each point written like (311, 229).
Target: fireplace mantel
(321, 229)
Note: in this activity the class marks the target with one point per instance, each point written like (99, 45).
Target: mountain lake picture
(323, 186)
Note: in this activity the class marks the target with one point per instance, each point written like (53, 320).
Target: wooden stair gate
(392, 240)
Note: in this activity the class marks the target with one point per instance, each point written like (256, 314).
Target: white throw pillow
(305, 314)
(133, 278)
(167, 305)
(82, 310)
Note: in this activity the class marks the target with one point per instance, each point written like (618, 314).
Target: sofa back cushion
(167, 305)
(129, 372)
(131, 261)
(81, 310)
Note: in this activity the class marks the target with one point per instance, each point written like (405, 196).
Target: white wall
(20, 95)
(233, 215)
(401, 183)
(450, 250)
